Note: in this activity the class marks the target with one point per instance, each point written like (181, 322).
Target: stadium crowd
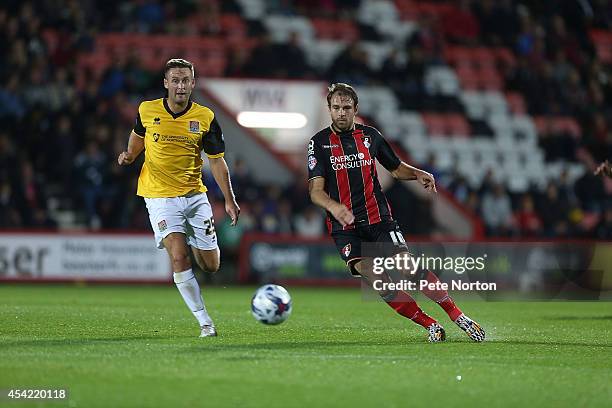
(58, 141)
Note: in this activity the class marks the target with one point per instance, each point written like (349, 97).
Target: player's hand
(125, 158)
(427, 180)
(342, 214)
(604, 168)
(233, 210)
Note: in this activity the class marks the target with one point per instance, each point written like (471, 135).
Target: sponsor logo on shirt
(157, 121)
(349, 161)
(330, 146)
(311, 147)
(172, 138)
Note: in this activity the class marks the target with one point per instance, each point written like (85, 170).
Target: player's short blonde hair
(342, 89)
(179, 63)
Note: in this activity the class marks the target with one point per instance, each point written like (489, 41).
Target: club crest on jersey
(162, 225)
(194, 126)
(366, 142)
(312, 162)
(346, 251)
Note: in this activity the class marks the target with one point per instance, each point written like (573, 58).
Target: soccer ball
(271, 304)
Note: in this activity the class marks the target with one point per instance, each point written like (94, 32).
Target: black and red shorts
(350, 242)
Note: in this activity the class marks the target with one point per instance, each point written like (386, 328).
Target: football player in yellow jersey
(173, 131)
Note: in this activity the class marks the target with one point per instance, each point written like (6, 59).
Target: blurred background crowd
(60, 137)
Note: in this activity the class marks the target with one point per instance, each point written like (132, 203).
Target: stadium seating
(460, 104)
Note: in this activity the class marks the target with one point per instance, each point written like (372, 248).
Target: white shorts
(190, 215)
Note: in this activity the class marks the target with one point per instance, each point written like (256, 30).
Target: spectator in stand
(573, 94)
(11, 102)
(602, 14)
(8, 156)
(237, 58)
(293, 61)
(429, 39)
(309, 224)
(527, 220)
(90, 169)
(555, 211)
(285, 217)
(461, 25)
(603, 230)
(559, 39)
(9, 204)
(498, 21)
(556, 144)
(271, 60)
(497, 211)
(350, 66)
(488, 183)
(459, 187)
(590, 189)
(473, 202)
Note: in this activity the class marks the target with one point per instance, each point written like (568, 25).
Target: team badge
(162, 225)
(346, 251)
(312, 162)
(366, 142)
(194, 126)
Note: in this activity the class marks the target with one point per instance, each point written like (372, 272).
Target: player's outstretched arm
(316, 188)
(604, 168)
(134, 148)
(219, 170)
(408, 172)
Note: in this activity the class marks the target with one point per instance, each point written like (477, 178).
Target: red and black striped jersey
(347, 161)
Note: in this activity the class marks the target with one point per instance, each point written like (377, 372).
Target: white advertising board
(104, 257)
(303, 98)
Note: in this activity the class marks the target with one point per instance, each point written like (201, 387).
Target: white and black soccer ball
(271, 304)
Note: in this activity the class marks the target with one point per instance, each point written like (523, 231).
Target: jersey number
(209, 224)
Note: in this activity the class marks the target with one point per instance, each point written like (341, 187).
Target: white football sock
(190, 290)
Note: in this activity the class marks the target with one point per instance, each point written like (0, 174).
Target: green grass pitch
(138, 346)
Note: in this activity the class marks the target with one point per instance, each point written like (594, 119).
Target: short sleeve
(385, 154)
(139, 128)
(316, 166)
(213, 143)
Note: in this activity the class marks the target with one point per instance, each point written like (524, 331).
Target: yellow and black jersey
(173, 142)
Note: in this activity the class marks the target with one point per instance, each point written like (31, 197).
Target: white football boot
(208, 331)
(436, 333)
(471, 328)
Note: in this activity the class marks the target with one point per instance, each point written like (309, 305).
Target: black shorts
(349, 242)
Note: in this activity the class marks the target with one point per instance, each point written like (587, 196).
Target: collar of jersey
(176, 115)
(346, 132)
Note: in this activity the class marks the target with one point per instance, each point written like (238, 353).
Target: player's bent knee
(213, 267)
(209, 261)
(208, 265)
